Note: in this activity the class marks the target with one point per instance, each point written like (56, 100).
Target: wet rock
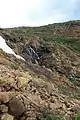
(7, 117)
(16, 107)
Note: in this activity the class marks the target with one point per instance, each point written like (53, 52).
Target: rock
(7, 117)
(23, 79)
(6, 96)
(3, 108)
(75, 63)
(78, 73)
(64, 107)
(16, 107)
(23, 118)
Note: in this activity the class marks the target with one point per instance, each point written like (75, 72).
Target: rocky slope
(47, 85)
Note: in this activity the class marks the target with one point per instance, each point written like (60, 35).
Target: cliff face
(47, 84)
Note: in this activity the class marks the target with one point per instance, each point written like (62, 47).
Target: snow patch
(7, 49)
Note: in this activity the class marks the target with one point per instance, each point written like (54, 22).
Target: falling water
(32, 53)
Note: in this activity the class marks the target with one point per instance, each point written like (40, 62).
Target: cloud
(37, 12)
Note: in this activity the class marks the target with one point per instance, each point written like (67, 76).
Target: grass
(46, 33)
(77, 117)
(73, 44)
(51, 117)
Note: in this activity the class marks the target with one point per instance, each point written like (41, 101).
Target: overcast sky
(37, 12)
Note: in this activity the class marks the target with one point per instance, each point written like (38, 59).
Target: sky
(15, 13)
(7, 49)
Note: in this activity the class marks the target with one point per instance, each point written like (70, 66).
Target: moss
(51, 117)
(77, 117)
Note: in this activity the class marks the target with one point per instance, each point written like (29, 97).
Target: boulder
(3, 108)
(16, 107)
(7, 117)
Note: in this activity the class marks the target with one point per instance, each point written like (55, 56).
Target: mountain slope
(54, 46)
(47, 84)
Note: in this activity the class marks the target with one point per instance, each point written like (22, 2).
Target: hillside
(46, 86)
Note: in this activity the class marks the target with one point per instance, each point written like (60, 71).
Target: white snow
(7, 49)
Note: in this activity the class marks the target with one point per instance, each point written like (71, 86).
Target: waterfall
(32, 53)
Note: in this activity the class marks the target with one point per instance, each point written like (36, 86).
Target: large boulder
(16, 107)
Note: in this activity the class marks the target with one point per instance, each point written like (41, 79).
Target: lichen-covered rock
(3, 108)
(7, 117)
(23, 79)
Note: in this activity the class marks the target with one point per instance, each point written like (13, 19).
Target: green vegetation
(51, 117)
(53, 33)
(74, 80)
(57, 117)
(73, 44)
(77, 117)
